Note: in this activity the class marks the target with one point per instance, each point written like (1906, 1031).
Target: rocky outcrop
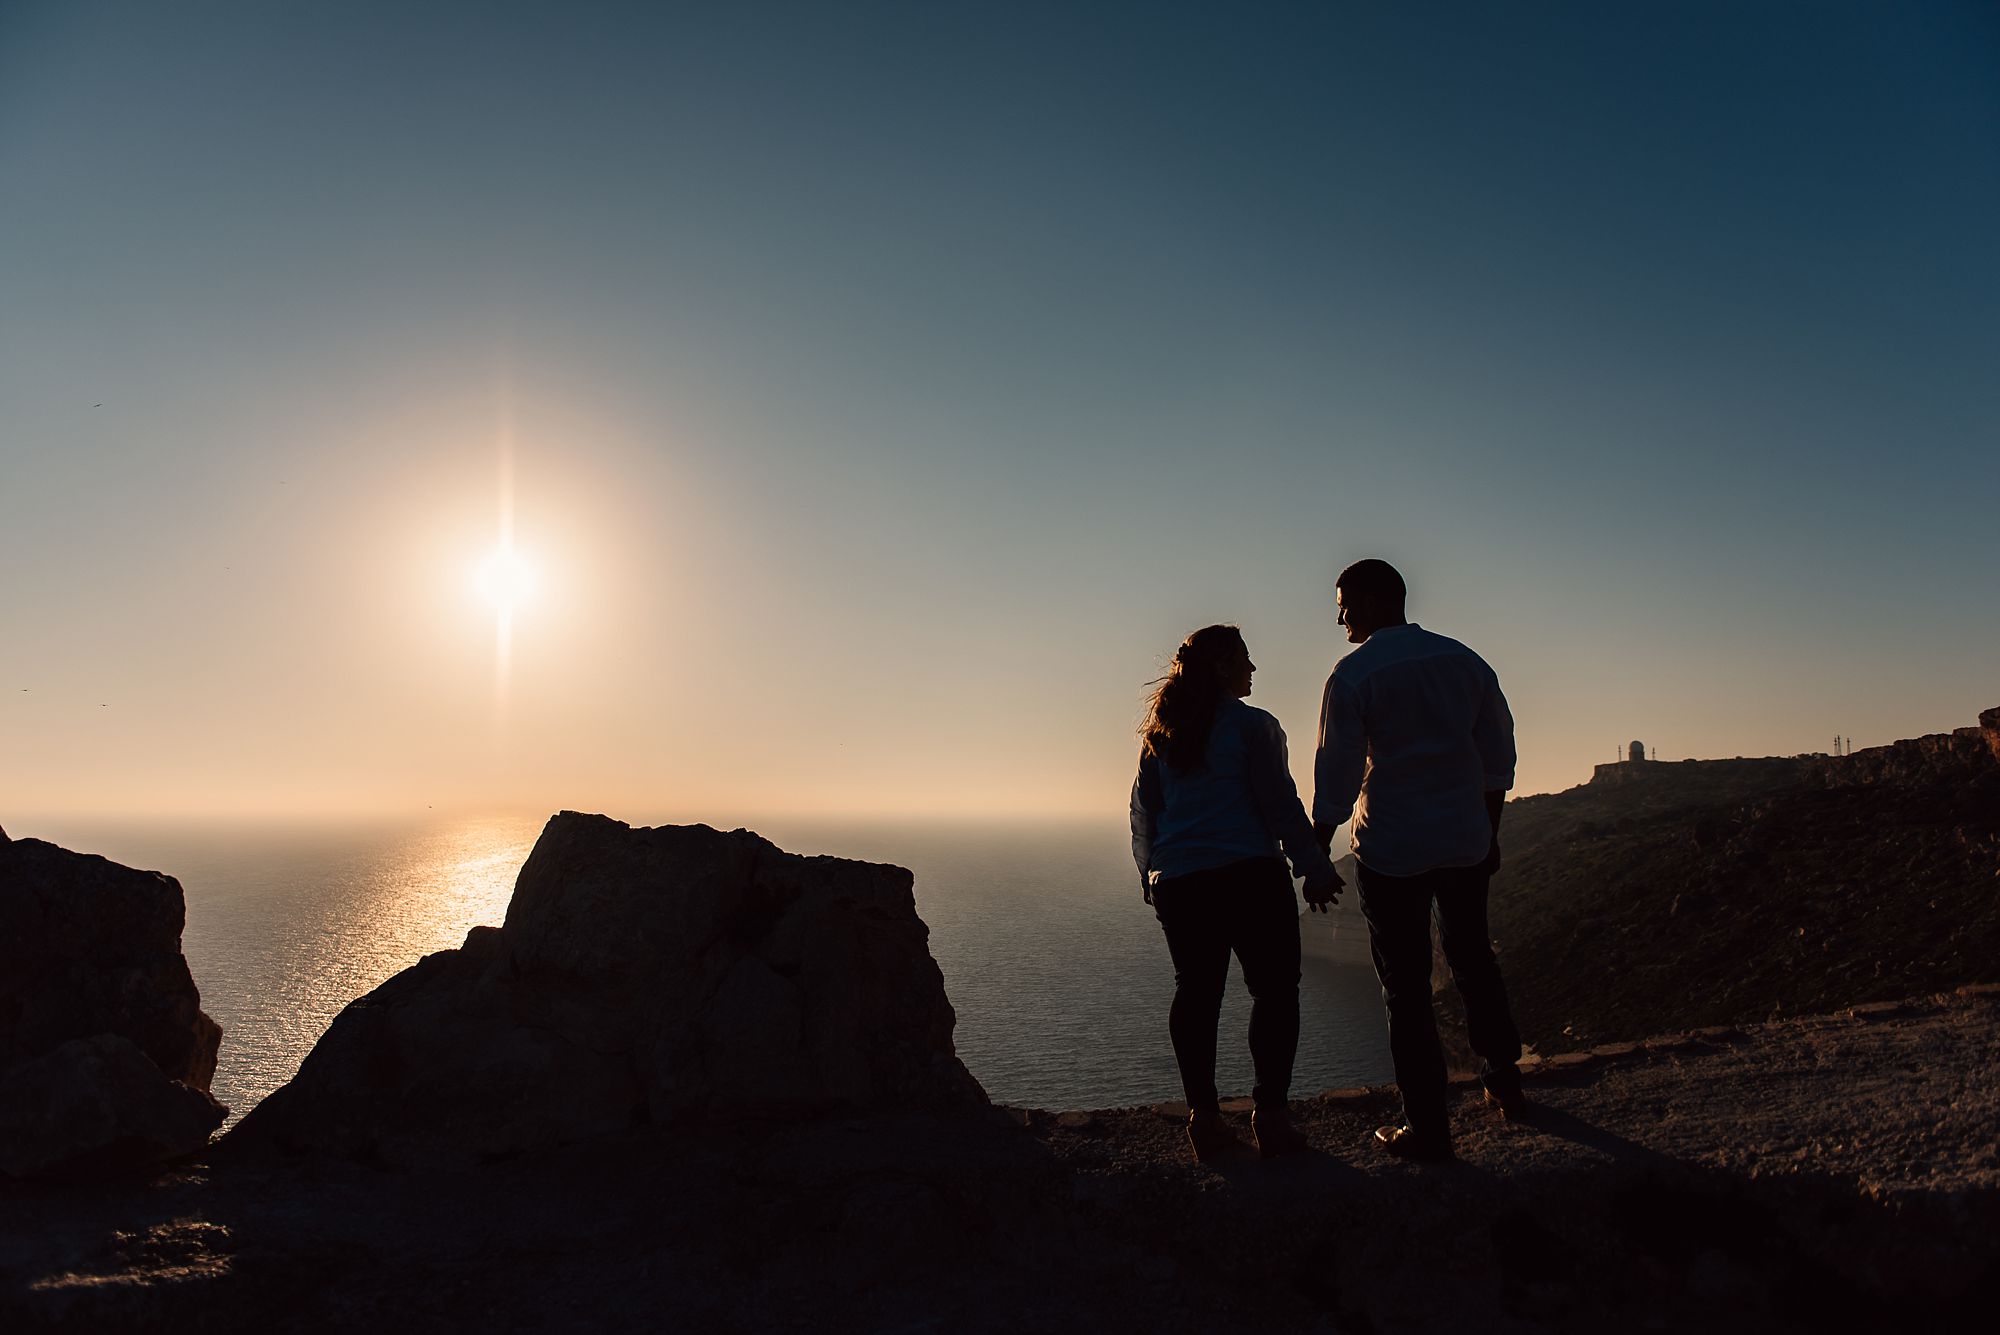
(1961, 755)
(105, 1054)
(668, 975)
(91, 947)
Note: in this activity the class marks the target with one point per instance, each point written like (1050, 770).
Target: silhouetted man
(1414, 726)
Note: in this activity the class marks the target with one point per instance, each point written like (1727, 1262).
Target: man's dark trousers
(1398, 912)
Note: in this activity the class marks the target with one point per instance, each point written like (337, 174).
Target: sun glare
(506, 579)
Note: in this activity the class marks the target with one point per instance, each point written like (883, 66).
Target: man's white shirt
(1412, 726)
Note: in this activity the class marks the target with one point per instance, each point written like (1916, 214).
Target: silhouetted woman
(1214, 815)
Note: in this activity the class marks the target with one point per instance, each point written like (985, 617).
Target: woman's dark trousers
(1248, 908)
(1398, 910)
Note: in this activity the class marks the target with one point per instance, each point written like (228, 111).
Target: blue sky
(889, 387)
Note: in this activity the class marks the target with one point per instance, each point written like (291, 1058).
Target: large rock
(90, 947)
(97, 1106)
(105, 1054)
(665, 975)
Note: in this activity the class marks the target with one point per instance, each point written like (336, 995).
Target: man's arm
(1148, 800)
(1340, 761)
(1493, 734)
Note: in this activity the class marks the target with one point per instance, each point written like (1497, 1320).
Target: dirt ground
(1806, 1174)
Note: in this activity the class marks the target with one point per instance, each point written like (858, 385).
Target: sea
(1053, 962)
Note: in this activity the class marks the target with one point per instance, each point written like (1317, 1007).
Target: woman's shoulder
(1250, 718)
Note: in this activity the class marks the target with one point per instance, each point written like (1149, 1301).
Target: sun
(506, 579)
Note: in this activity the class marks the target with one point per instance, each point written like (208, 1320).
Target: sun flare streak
(505, 578)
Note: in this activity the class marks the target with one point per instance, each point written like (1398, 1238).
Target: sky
(880, 392)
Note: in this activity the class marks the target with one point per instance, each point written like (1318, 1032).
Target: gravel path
(1778, 1176)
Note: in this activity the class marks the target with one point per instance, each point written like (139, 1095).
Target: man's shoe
(1210, 1136)
(1406, 1142)
(1275, 1133)
(1505, 1093)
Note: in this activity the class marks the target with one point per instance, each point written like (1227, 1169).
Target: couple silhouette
(1417, 745)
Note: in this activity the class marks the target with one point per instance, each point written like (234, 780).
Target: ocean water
(1055, 966)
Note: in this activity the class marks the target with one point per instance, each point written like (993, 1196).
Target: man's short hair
(1373, 579)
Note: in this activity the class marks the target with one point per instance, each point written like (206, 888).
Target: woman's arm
(1269, 773)
(1148, 800)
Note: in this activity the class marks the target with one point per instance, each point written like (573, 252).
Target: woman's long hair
(1184, 701)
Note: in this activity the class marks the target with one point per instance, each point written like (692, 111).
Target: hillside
(1664, 895)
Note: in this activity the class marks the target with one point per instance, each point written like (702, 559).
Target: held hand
(1146, 889)
(1492, 863)
(1322, 891)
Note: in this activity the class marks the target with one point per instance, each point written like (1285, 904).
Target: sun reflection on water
(284, 932)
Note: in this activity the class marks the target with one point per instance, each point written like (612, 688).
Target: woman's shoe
(1210, 1136)
(1275, 1133)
